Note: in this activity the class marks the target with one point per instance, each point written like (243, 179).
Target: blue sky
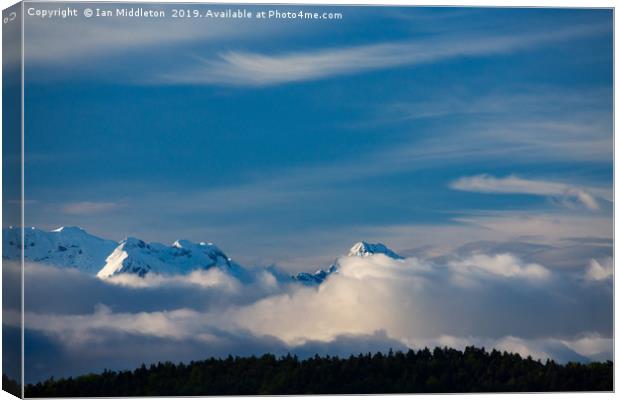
(288, 141)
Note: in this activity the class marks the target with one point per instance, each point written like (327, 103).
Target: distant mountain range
(73, 247)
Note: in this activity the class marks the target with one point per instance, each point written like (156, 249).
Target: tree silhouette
(424, 371)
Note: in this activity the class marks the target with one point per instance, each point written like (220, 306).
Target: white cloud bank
(513, 184)
(372, 304)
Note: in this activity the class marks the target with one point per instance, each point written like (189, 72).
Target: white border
(457, 3)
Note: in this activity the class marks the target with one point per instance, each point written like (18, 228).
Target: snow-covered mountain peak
(135, 256)
(365, 249)
(181, 243)
(360, 249)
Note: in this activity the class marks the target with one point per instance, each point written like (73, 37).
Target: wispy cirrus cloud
(51, 41)
(545, 227)
(242, 68)
(89, 207)
(512, 184)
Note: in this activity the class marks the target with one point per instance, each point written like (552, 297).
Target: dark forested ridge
(11, 386)
(440, 370)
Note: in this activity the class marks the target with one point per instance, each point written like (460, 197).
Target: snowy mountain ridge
(138, 257)
(66, 247)
(73, 247)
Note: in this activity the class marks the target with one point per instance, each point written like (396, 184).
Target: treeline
(11, 386)
(423, 371)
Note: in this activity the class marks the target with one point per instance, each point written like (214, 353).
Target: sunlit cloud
(599, 271)
(501, 265)
(210, 278)
(371, 303)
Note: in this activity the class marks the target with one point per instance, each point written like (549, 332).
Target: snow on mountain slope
(66, 247)
(134, 256)
(364, 249)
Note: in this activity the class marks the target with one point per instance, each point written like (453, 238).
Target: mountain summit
(364, 249)
(360, 249)
(135, 256)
